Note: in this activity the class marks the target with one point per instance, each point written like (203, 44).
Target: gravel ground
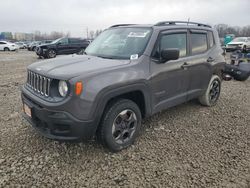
(185, 146)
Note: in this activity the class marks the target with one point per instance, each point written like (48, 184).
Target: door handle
(185, 65)
(210, 59)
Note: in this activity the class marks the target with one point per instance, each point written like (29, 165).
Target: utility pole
(87, 32)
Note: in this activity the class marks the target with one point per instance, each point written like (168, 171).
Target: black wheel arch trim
(108, 94)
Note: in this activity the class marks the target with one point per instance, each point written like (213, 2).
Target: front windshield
(240, 39)
(56, 41)
(120, 43)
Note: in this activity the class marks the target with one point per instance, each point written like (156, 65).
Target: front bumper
(232, 48)
(57, 125)
(41, 52)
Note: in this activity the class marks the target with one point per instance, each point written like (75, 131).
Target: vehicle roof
(5, 41)
(241, 37)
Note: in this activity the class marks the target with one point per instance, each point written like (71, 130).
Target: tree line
(224, 29)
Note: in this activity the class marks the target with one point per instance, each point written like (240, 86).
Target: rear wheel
(212, 94)
(51, 53)
(6, 49)
(120, 125)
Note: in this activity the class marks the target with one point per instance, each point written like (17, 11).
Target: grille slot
(38, 83)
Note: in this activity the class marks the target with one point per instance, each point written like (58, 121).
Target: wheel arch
(138, 93)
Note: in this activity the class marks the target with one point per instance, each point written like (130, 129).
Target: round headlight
(63, 88)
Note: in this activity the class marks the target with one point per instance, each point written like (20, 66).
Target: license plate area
(27, 110)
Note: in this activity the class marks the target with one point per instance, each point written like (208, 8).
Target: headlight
(63, 88)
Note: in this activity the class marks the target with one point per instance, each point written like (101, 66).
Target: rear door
(74, 45)
(170, 80)
(200, 62)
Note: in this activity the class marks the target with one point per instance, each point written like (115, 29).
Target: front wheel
(120, 125)
(244, 49)
(51, 53)
(212, 94)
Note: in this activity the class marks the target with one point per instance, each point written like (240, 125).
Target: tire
(51, 53)
(212, 94)
(6, 49)
(120, 125)
(244, 49)
(33, 48)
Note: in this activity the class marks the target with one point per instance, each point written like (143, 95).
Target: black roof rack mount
(164, 23)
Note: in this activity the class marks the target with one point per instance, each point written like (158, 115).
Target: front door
(170, 80)
(63, 46)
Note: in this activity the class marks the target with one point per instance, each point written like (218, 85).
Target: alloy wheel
(52, 53)
(214, 91)
(124, 126)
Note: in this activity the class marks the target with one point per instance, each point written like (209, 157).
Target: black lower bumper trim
(58, 125)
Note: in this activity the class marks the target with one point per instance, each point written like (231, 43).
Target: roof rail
(118, 25)
(164, 23)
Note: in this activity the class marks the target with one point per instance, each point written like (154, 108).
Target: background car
(35, 44)
(21, 45)
(239, 43)
(62, 46)
(8, 46)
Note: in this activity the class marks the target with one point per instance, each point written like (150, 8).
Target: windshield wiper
(104, 57)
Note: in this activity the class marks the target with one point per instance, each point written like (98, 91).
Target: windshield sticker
(138, 34)
(134, 57)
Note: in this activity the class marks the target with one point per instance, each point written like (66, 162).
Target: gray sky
(75, 15)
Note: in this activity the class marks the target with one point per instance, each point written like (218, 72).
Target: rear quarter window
(199, 43)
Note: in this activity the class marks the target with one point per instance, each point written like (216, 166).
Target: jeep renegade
(127, 73)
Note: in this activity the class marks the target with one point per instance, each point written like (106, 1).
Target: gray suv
(127, 73)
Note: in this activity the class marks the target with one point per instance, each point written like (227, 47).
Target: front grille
(39, 84)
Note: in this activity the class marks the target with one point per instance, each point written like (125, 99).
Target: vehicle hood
(46, 45)
(74, 65)
(236, 43)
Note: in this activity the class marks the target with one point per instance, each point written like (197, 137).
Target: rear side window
(2, 43)
(199, 43)
(74, 41)
(210, 39)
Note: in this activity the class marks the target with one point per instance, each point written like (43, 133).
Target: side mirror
(169, 54)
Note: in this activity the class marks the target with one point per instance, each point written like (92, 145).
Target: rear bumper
(58, 125)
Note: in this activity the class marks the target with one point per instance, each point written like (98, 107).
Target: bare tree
(91, 34)
(224, 29)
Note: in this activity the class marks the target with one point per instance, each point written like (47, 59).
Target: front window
(240, 39)
(120, 43)
(176, 40)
